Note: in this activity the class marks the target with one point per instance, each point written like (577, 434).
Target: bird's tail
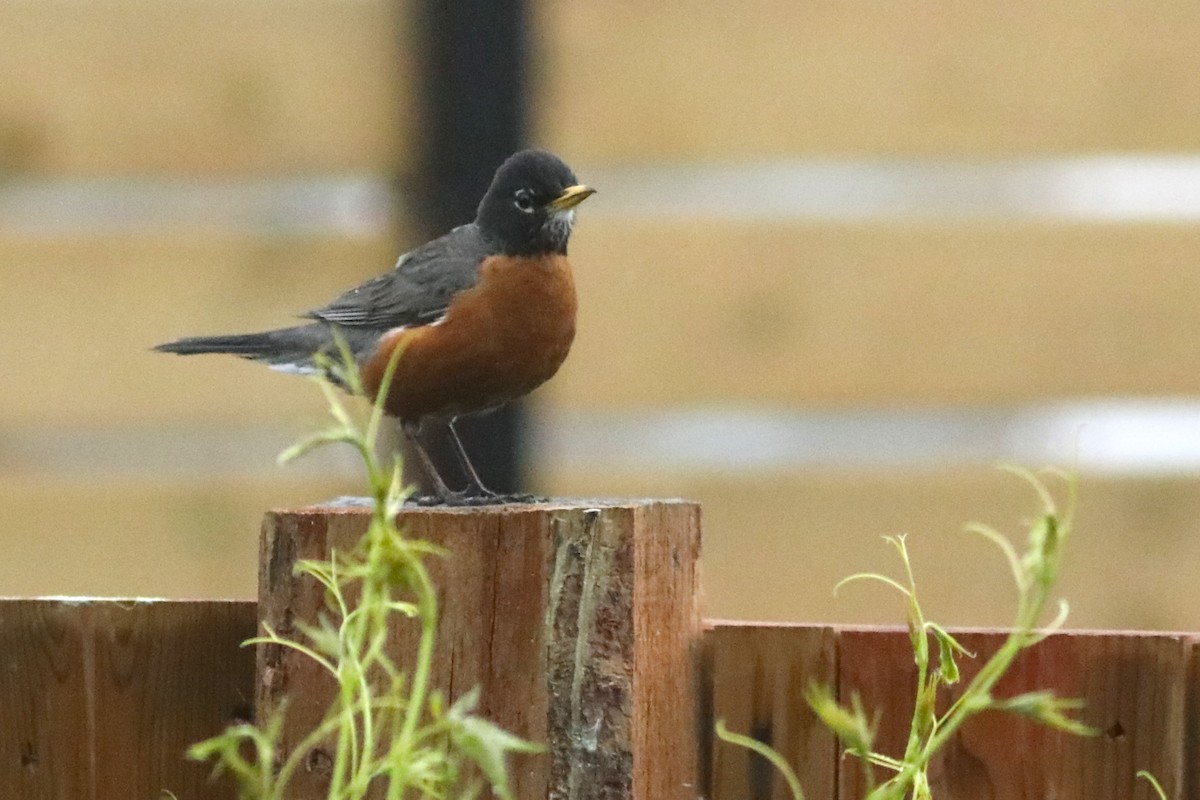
(285, 349)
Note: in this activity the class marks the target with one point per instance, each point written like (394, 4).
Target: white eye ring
(523, 201)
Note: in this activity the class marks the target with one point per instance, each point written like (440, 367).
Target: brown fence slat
(1136, 686)
(1192, 732)
(781, 77)
(139, 87)
(754, 675)
(100, 699)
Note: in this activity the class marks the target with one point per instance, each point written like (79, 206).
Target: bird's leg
(444, 493)
(476, 486)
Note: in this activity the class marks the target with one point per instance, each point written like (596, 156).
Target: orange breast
(499, 340)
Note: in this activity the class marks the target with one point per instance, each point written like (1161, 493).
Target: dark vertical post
(473, 56)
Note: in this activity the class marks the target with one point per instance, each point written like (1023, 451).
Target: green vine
(387, 725)
(1035, 573)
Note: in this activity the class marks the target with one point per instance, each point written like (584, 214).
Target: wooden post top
(577, 619)
(351, 505)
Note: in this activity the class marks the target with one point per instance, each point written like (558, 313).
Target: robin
(484, 314)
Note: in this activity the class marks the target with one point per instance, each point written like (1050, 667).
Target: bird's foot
(463, 499)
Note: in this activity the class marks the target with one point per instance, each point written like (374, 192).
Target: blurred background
(845, 257)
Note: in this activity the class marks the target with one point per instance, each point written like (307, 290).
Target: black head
(529, 208)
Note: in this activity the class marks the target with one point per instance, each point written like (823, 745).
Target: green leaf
(769, 753)
(488, 745)
(1158, 789)
(1045, 707)
(947, 647)
(871, 576)
(306, 446)
(848, 724)
(1006, 547)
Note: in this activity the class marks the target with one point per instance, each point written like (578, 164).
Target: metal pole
(474, 70)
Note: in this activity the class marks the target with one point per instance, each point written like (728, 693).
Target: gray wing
(418, 290)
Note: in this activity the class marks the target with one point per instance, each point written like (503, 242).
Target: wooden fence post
(578, 622)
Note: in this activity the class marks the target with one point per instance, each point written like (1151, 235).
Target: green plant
(1035, 573)
(389, 728)
(1154, 784)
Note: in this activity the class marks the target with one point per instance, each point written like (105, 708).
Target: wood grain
(543, 608)
(1191, 734)
(102, 698)
(1136, 690)
(629, 81)
(755, 677)
(1137, 687)
(872, 314)
(137, 87)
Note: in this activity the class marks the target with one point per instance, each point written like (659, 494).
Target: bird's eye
(523, 201)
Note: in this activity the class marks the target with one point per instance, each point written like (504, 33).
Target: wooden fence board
(631, 81)
(827, 315)
(1135, 686)
(101, 698)
(138, 87)
(1192, 731)
(43, 690)
(754, 678)
(86, 311)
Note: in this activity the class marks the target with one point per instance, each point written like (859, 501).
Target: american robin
(485, 314)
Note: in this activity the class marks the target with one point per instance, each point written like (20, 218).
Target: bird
(485, 314)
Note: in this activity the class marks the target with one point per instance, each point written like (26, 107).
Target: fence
(570, 617)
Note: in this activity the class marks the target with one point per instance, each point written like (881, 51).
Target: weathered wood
(1135, 686)
(577, 622)
(884, 79)
(100, 699)
(1192, 732)
(1139, 689)
(754, 679)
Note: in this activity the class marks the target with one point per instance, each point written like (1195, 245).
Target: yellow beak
(571, 197)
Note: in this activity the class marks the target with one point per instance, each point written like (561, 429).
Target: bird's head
(529, 208)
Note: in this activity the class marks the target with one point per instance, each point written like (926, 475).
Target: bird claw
(462, 499)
